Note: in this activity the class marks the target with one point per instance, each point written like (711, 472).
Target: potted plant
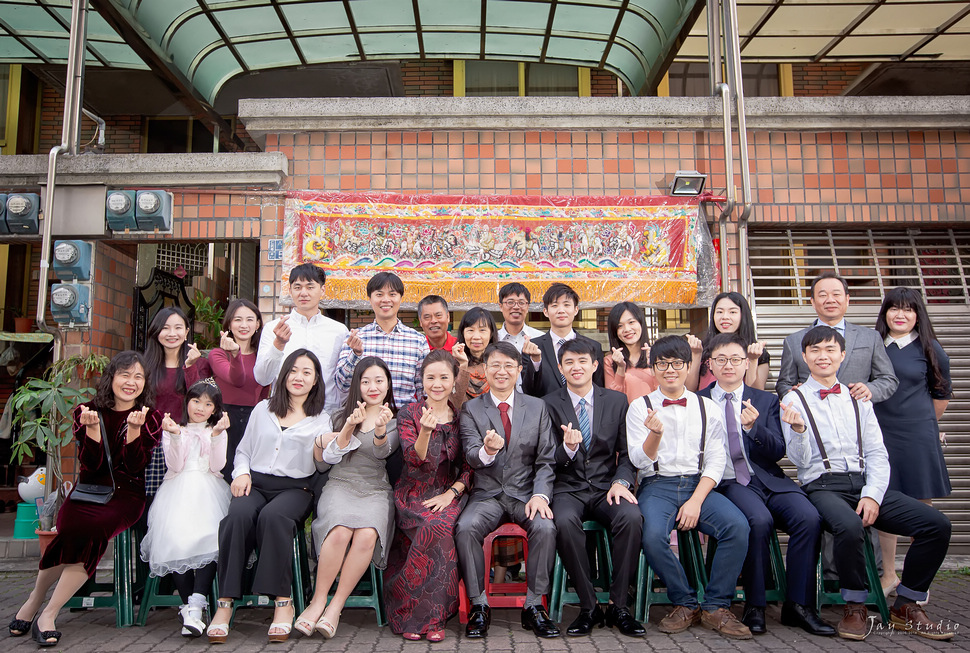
(21, 324)
(42, 411)
(208, 321)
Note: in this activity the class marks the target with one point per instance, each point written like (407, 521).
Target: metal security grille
(783, 263)
(193, 257)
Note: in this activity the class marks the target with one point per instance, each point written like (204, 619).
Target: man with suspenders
(677, 440)
(835, 442)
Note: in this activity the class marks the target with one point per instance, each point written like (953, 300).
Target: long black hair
(104, 398)
(901, 297)
(155, 352)
(279, 401)
(475, 316)
(231, 310)
(745, 324)
(613, 325)
(206, 389)
(355, 395)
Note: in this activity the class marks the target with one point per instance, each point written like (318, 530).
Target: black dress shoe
(624, 621)
(479, 620)
(753, 617)
(537, 620)
(806, 618)
(583, 625)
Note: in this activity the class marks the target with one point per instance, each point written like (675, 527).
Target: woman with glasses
(730, 313)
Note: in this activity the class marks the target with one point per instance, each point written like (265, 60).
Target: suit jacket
(866, 361)
(546, 380)
(764, 444)
(607, 460)
(525, 465)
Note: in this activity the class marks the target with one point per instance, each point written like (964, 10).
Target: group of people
(409, 449)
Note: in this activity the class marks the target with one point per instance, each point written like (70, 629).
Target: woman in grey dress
(356, 507)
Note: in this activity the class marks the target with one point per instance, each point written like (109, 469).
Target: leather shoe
(806, 618)
(723, 621)
(679, 619)
(479, 620)
(753, 616)
(855, 622)
(583, 624)
(537, 620)
(911, 618)
(621, 618)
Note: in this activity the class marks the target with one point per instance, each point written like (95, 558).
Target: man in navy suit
(753, 481)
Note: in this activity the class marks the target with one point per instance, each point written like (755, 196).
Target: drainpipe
(102, 128)
(725, 91)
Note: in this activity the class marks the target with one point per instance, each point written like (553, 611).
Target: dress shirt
(403, 350)
(267, 449)
(840, 327)
(679, 448)
(574, 399)
(836, 421)
(717, 394)
(319, 334)
(484, 457)
(519, 338)
(901, 341)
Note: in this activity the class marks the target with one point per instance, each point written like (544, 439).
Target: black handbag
(91, 492)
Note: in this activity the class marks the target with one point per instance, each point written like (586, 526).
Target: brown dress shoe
(855, 622)
(912, 618)
(723, 621)
(679, 619)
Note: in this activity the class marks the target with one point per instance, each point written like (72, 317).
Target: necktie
(734, 441)
(584, 425)
(836, 390)
(562, 379)
(675, 402)
(506, 422)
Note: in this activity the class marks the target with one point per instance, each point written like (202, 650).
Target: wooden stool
(119, 591)
(829, 593)
(603, 578)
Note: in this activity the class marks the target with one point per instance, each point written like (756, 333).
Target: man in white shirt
(514, 300)
(835, 442)
(304, 327)
(677, 441)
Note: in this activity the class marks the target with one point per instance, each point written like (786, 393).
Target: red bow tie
(836, 390)
(675, 402)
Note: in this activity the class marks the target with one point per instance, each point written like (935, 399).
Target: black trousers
(624, 522)
(836, 496)
(266, 520)
(238, 419)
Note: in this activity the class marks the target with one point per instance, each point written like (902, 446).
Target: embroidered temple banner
(464, 248)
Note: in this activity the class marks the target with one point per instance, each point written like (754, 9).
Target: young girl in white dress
(183, 522)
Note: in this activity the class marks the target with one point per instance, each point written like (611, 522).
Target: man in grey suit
(867, 370)
(508, 441)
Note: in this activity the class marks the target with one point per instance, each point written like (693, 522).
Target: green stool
(300, 585)
(777, 593)
(828, 590)
(369, 593)
(119, 591)
(150, 598)
(561, 593)
(692, 559)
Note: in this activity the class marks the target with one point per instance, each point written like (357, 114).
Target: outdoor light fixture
(687, 182)
(71, 303)
(72, 260)
(120, 210)
(153, 210)
(23, 212)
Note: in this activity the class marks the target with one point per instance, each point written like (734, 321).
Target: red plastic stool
(517, 590)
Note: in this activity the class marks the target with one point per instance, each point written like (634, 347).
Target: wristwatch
(622, 482)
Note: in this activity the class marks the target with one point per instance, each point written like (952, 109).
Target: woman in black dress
(909, 418)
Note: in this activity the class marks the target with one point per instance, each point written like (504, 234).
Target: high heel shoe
(219, 633)
(327, 629)
(304, 626)
(43, 637)
(285, 626)
(19, 627)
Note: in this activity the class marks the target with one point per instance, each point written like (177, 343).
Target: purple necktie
(734, 441)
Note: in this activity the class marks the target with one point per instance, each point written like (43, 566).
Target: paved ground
(94, 631)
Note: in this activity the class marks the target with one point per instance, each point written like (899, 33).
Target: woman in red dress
(422, 569)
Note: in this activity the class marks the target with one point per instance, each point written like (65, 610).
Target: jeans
(660, 498)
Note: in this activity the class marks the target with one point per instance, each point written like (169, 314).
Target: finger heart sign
(493, 442)
(428, 418)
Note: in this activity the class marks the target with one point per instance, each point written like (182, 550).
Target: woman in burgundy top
(123, 404)
(232, 366)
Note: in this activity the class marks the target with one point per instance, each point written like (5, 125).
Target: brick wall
(817, 79)
(433, 77)
(603, 83)
(123, 133)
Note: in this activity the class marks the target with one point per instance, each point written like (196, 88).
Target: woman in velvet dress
(421, 582)
(123, 404)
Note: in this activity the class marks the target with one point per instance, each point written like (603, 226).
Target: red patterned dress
(421, 580)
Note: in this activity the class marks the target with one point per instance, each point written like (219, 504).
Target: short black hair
(821, 333)
(308, 272)
(514, 288)
(504, 348)
(558, 291)
(210, 390)
(725, 339)
(828, 274)
(578, 346)
(674, 347)
(428, 300)
(383, 280)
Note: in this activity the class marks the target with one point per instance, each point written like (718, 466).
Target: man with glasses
(676, 439)
(754, 482)
(514, 300)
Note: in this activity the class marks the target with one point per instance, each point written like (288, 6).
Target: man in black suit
(560, 304)
(753, 481)
(593, 480)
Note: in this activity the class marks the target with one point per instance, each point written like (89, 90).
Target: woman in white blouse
(271, 493)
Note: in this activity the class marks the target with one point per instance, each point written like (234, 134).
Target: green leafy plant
(209, 314)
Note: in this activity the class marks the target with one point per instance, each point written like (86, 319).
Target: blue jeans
(660, 498)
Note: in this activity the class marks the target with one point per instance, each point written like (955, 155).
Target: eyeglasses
(508, 367)
(721, 361)
(515, 303)
(663, 365)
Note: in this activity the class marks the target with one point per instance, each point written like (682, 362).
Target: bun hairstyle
(440, 356)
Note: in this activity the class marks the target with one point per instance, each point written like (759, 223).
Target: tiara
(209, 381)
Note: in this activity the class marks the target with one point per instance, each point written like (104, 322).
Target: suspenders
(818, 438)
(700, 459)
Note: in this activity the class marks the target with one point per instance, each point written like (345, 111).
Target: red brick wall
(817, 79)
(433, 77)
(123, 133)
(603, 83)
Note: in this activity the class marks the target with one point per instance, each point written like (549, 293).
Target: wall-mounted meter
(23, 213)
(72, 260)
(71, 303)
(120, 210)
(153, 210)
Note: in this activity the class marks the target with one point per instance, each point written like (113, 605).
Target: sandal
(305, 626)
(285, 626)
(19, 627)
(412, 637)
(218, 633)
(327, 629)
(436, 635)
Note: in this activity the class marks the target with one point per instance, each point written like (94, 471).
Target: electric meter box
(72, 260)
(71, 303)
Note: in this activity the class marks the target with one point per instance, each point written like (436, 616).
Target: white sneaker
(192, 624)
